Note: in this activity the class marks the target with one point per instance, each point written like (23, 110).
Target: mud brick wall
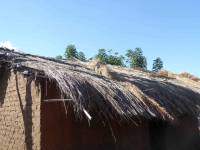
(19, 112)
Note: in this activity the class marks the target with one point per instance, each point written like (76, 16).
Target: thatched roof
(110, 90)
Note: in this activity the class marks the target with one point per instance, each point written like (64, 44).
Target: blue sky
(168, 29)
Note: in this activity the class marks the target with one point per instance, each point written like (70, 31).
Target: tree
(109, 58)
(71, 52)
(136, 58)
(115, 60)
(157, 64)
(102, 55)
(81, 56)
(59, 57)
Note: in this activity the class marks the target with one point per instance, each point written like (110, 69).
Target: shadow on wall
(167, 136)
(26, 111)
(4, 77)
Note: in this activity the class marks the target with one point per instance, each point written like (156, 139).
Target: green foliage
(81, 56)
(102, 55)
(157, 64)
(59, 57)
(136, 58)
(115, 60)
(112, 59)
(71, 52)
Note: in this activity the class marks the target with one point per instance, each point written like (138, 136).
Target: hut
(49, 104)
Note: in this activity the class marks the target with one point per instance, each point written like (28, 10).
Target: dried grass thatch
(110, 90)
(189, 76)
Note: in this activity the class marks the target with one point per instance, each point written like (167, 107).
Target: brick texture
(19, 113)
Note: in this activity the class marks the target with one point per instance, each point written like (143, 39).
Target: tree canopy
(71, 52)
(136, 58)
(109, 58)
(81, 56)
(157, 64)
(59, 57)
(115, 60)
(102, 55)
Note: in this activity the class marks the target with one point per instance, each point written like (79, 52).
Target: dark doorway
(183, 135)
(157, 134)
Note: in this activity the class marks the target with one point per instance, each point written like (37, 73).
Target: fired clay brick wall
(19, 113)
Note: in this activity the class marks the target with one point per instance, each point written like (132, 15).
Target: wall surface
(19, 113)
(66, 132)
(184, 135)
(181, 135)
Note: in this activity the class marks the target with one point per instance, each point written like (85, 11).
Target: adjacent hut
(49, 104)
